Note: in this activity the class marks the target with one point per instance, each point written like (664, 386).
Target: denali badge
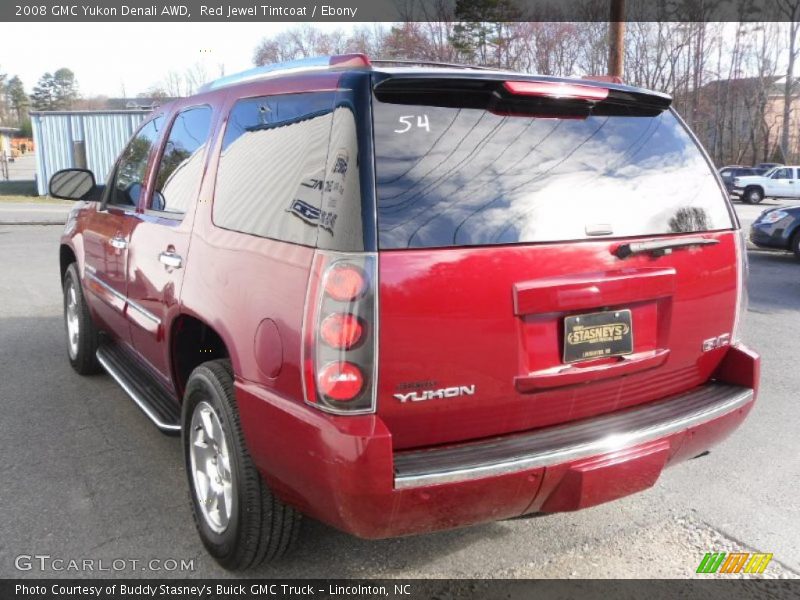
(717, 342)
(451, 392)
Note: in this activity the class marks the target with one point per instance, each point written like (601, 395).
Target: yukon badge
(450, 392)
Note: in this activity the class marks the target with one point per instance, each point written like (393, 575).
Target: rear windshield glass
(466, 176)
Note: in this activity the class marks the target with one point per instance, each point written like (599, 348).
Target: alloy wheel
(211, 468)
(73, 322)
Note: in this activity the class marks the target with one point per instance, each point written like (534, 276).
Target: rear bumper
(573, 442)
(344, 472)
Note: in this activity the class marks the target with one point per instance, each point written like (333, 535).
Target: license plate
(597, 335)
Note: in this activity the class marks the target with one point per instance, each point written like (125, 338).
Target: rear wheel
(80, 329)
(753, 195)
(240, 521)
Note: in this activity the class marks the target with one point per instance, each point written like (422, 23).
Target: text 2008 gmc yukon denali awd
(400, 299)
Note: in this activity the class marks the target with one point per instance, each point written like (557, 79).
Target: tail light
(341, 330)
(340, 337)
(554, 89)
(742, 272)
(344, 282)
(340, 381)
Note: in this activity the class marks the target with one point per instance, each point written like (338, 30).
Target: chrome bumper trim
(565, 443)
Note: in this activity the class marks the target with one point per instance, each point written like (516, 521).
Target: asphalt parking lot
(84, 475)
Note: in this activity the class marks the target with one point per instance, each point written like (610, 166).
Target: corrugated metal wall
(105, 134)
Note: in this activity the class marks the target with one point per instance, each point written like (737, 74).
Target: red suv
(403, 298)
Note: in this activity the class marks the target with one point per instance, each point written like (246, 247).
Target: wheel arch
(66, 256)
(794, 231)
(192, 341)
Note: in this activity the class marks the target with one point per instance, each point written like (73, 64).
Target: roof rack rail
(303, 64)
(427, 63)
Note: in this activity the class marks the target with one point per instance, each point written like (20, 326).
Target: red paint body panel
(493, 318)
(570, 292)
(155, 287)
(108, 262)
(342, 471)
(585, 483)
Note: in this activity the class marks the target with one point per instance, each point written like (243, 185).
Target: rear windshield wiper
(661, 247)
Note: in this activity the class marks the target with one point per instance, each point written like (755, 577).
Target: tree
(484, 30)
(25, 128)
(409, 41)
(3, 104)
(17, 98)
(306, 41)
(65, 88)
(43, 97)
(790, 9)
(55, 91)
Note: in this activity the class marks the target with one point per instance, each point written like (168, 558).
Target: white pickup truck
(778, 182)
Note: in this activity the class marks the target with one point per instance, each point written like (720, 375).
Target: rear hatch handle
(574, 375)
(661, 247)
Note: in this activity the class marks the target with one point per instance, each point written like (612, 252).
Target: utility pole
(616, 38)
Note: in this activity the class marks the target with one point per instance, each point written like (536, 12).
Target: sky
(108, 57)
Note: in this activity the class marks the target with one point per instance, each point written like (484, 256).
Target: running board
(154, 401)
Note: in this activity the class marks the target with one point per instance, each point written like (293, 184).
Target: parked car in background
(728, 174)
(778, 182)
(778, 228)
(400, 299)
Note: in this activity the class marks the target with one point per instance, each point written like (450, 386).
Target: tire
(80, 330)
(794, 244)
(244, 524)
(753, 195)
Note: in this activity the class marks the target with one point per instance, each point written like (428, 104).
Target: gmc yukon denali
(404, 298)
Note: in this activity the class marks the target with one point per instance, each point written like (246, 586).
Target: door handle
(118, 242)
(170, 259)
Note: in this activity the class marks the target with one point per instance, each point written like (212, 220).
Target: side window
(129, 175)
(272, 166)
(782, 174)
(181, 166)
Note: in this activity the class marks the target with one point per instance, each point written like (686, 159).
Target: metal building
(86, 139)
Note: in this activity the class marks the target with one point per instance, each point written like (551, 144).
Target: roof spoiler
(513, 94)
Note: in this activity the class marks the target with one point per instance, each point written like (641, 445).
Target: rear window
(450, 176)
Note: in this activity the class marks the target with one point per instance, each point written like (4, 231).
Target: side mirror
(158, 202)
(73, 184)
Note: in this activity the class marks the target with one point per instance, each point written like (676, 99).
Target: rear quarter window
(272, 165)
(465, 176)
